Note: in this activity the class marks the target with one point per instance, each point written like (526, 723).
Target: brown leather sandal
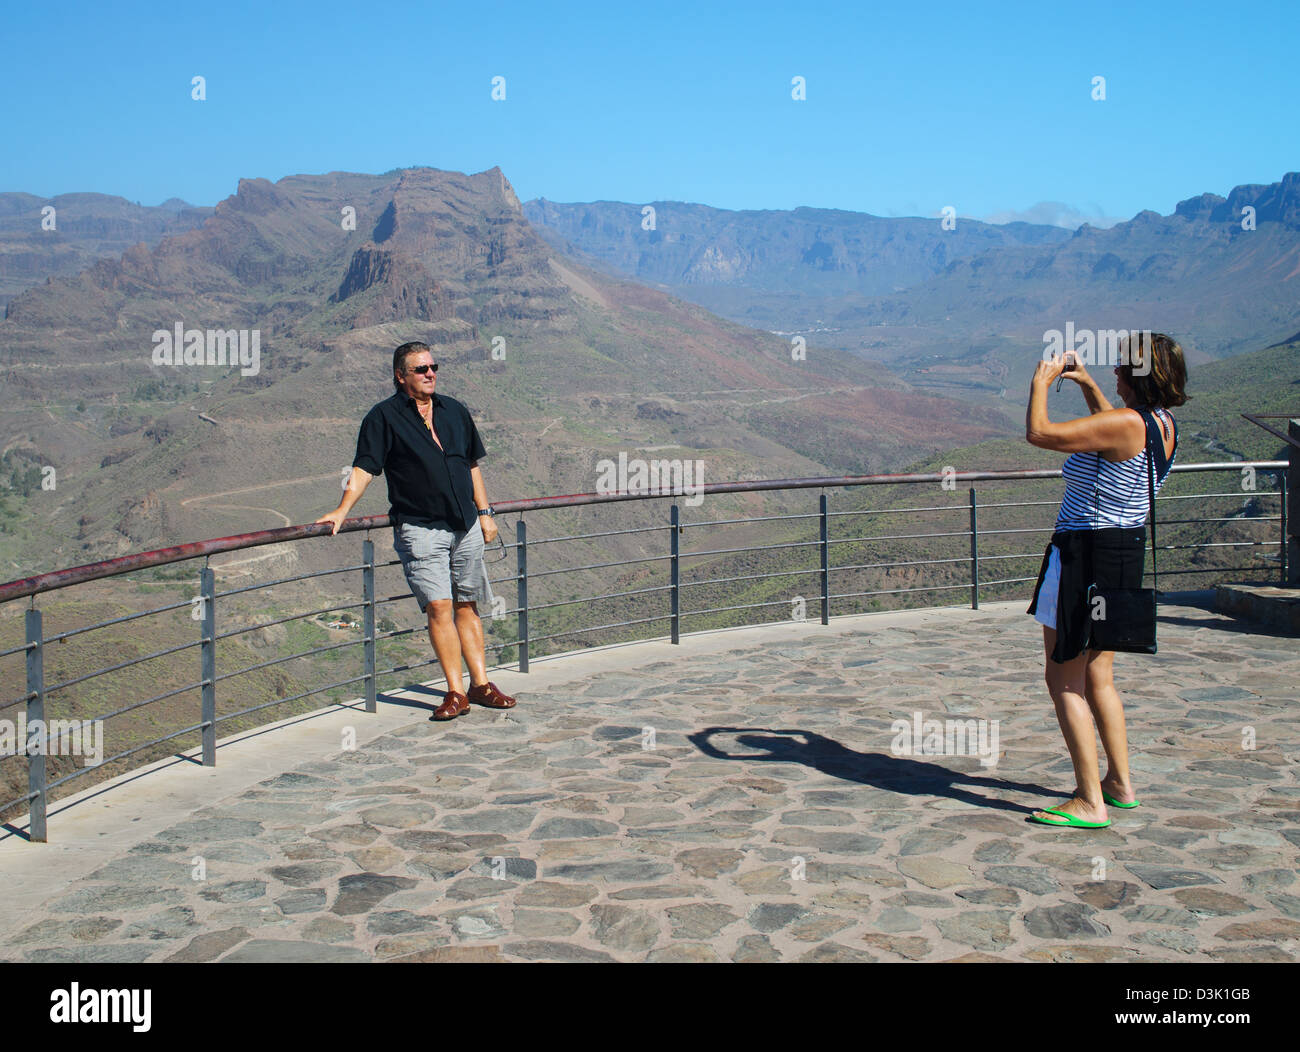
(453, 705)
(490, 696)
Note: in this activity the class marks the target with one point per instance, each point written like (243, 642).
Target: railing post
(974, 553)
(35, 713)
(368, 621)
(521, 553)
(675, 575)
(208, 666)
(825, 535)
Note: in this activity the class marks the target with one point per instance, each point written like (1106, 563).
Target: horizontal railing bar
(1231, 518)
(1242, 494)
(405, 668)
(116, 621)
(756, 518)
(285, 701)
(25, 799)
(1218, 544)
(900, 511)
(758, 548)
(126, 753)
(400, 632)
(1215, 569)
(150, 701)
(752, 577)
(913, 562)
(178, 553)
(742, 606)
(394, 598)
(17, 701)
(595, 628)
(1007, 580)
(899, 591)
(989, 533)
(587, 536)
(291, 657)
(593, 598)
(292, 617)
(198, 549)
(286, 580)
(900, 537)
(19, 649)
(597, 566)
(1016, 504)
(124, 664)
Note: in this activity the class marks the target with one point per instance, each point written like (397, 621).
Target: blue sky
(910, 107)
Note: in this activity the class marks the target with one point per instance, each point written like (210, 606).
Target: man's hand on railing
(357, 481)
(336, 517)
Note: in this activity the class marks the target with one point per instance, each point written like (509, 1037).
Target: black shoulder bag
(1125, 618)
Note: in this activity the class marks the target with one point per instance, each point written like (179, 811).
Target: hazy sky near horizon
(909, 108)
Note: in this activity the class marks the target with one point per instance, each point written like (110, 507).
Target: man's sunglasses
(422, 369)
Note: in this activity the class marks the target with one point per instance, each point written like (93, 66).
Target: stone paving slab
(739, 797)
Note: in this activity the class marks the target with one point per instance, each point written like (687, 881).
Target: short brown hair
(1163, 379)
(402, 353)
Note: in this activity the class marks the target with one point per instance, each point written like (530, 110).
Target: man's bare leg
(445, 638)
(469, 629)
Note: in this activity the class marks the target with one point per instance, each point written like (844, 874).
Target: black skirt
(1107, 558)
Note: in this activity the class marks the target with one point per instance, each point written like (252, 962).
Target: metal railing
(966, 568)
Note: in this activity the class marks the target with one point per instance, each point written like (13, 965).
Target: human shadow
(896, 774)
(437, 697)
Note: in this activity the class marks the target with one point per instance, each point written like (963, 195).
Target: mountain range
(962, 307)
(563, 366)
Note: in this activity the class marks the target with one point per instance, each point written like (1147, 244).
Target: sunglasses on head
(422, 369)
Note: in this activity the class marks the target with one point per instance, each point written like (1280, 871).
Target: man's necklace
(428, 422)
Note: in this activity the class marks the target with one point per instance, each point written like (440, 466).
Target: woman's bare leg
(1067, 685)
(1108, 711)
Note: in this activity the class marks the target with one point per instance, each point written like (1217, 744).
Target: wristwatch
(486, 511)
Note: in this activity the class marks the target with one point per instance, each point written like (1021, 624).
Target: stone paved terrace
(770, 743)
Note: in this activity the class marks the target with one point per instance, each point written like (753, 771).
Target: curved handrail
(74, 575)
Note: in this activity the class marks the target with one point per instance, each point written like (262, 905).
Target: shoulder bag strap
(1151, 498)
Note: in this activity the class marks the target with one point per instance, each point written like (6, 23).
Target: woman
(1100, 539)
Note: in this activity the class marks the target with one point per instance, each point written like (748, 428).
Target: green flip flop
(1115, 803)
(1070, 820)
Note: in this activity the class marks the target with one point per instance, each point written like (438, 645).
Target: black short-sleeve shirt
(427, 486)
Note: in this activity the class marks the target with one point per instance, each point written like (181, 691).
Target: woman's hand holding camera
(1062, 368)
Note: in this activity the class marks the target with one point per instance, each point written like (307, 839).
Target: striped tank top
(1100, 494)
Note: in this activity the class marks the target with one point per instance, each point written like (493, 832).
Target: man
(440, 516)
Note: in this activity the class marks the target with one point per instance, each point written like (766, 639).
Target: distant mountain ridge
(87, 227)
(819, 251)
(964, 310)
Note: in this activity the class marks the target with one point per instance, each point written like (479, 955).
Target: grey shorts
(440, 564)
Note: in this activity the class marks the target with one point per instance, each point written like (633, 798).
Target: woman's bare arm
(1119, 432)
(1097, 402)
